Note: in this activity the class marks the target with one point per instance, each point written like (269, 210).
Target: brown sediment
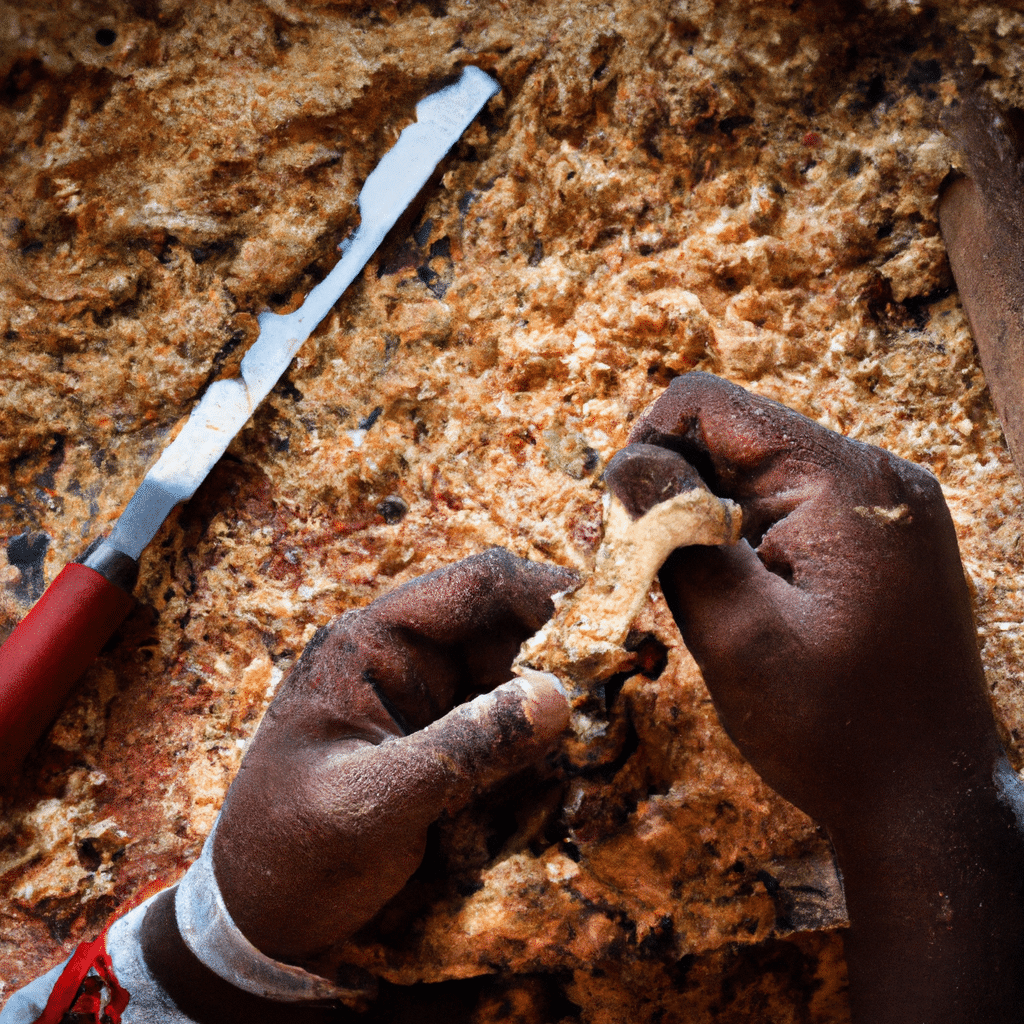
(750, 189)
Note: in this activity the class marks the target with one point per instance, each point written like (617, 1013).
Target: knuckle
(910, 481)
(495, 564)
(890, 480)
(694, 381)
(923, 487)
(501, 560)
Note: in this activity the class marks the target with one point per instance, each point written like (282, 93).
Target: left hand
(361, 751)
(838, 645)
(836, 639)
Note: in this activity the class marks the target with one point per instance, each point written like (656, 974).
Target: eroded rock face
(747, 189)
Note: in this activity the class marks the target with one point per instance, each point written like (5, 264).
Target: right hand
(836, 638)
(371, 738)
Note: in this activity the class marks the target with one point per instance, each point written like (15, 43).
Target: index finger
(763, 455)
(728, 432)
(432, 642)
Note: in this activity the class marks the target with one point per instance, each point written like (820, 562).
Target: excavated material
(744, 188)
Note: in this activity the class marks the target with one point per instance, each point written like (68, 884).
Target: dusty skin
(743, 188)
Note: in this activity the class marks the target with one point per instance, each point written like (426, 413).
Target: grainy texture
(582, 644)
(746, 188)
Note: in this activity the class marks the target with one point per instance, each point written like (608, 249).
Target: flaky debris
(722, 185)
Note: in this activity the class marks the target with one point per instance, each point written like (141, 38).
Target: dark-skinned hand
(838, 645)
(361, 751)
(842, 624)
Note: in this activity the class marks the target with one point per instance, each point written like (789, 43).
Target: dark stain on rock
(27, 552)
(56, 447)
(59, 913)
(368, 421)
(393, 508)
(922, 73)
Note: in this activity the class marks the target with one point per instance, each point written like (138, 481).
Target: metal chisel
(64, 631)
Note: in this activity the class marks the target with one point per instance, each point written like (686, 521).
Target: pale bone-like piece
(582, 643)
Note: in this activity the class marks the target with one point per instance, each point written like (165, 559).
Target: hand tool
(66, 628)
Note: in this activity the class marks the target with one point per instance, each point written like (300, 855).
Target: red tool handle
(48, 650)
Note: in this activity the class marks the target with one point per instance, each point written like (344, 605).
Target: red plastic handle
(49, 649)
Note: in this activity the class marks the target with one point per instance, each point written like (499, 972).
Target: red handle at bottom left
(48, 650)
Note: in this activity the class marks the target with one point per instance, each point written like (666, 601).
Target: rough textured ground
(745, 188)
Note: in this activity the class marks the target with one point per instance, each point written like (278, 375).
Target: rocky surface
(748, 189)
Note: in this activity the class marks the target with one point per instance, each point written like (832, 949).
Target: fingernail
(547, 701)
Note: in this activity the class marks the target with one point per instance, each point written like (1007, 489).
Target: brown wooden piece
(986, 263)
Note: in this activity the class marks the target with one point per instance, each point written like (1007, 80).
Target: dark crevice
(387, 703)
(27, 552)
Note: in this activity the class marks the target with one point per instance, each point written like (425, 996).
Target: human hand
(361, 750)
(837, 639)
(838, 645)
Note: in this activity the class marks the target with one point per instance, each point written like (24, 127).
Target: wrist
(203, 995)
(933, 875)
(209, 930)
(933, 809)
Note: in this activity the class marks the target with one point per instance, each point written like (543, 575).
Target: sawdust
(748, 189)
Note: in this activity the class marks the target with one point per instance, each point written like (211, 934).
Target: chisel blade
(226, 406)
(80, 610)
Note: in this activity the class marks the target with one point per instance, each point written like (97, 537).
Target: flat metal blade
(441, 118)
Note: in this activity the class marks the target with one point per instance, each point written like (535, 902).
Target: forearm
(934, 885)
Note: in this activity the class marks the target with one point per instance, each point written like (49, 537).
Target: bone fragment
(582, 643)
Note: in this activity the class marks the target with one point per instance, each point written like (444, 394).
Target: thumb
(476, 745)
(726, 603)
